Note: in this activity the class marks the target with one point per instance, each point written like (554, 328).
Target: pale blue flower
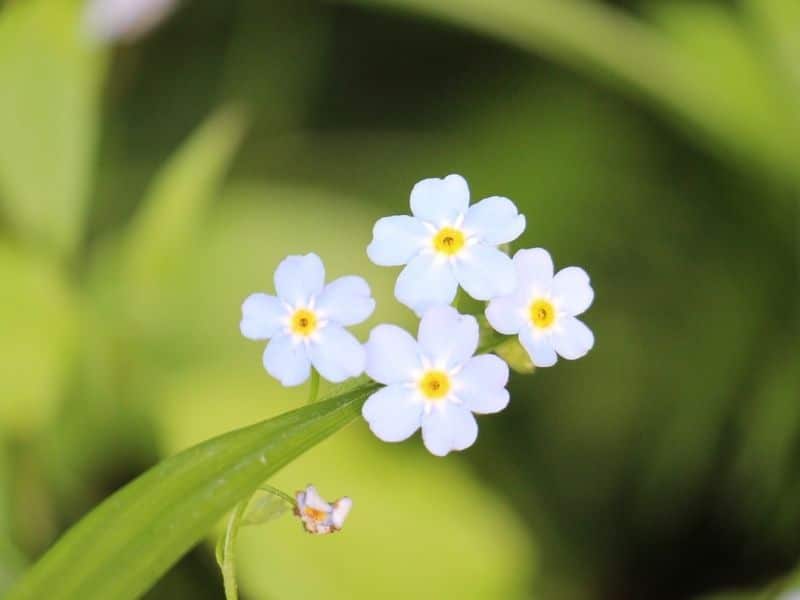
(543, 308)
(318, 516)
(306, 322)
(447, 243)
(433, 382)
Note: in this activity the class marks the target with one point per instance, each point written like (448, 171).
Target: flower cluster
(435, 382)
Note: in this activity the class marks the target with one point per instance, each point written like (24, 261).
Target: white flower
(542, 310)
(109, 20)
(448, 243)
(434, 383)
(318, 516)
(306, 322)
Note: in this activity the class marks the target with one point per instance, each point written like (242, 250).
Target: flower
(109, 20)
(435, 383)
(306, 322)
(542, 310)
(318, 516)
(448, 243)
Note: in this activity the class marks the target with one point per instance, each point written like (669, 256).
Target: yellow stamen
(448, 241)
(435, 385)
(304, 322)
(315, 514)
(543, 313)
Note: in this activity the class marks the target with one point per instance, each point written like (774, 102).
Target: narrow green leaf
(607, 42)
(176, 203)
(49, 112)
(124, 545)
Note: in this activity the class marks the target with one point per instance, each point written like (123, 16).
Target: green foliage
(49, 113)
(150, 523)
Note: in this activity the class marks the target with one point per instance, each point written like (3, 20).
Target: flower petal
(482, 382)
(425, 282)
(534, 268)
(392, 355)
(495, 220)
(540, 348)
(449, 428)
(572, 290)
(506, 314)
(314, 500)
(287, 361)
(346, 300)
(392, 413)
(572, 338)
(337, 354)
(299, 278)
(484, 272)
(262, 316)
(341, 508)
(440, 201)
(446, 337)
(396, 240)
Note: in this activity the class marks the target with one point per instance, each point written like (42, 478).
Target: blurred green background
(147, 187)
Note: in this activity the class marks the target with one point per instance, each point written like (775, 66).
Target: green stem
(228, 559)
(279, 493)
(313, 389)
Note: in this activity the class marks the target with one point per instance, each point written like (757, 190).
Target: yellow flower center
(448, 241)
(543, 313)
(315, 514)
(435, 385)
(304, 322)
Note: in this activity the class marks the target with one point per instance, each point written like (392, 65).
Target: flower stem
(313, 389)
(228, 565)
(279, 493)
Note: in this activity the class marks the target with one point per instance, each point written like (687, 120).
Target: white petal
(540, 348)
(495, 220)
(440, 201)
(482, 382)
(314, 500)
(534, 268)
(484, 272)
(425, 282)
(286, 361)
(446, 337)
(299, 278)
(346, 300)
(337, 354)
(392, 355)
(572, 290)
(109, 20)
(341, 508)
(396, 240)
(572, 338)
(262, 316)
(392, 413)
(451, 428)
(506, 314)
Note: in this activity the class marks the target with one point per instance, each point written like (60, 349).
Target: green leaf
(49, 112)
(627, 52)
(123, 546)
(39, 321)
(176, 203)
(516, 356)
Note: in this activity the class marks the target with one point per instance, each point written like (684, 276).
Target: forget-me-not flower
(543, 308)
(433, 382)
(306, 322)
(447, 243)
(318, 516)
